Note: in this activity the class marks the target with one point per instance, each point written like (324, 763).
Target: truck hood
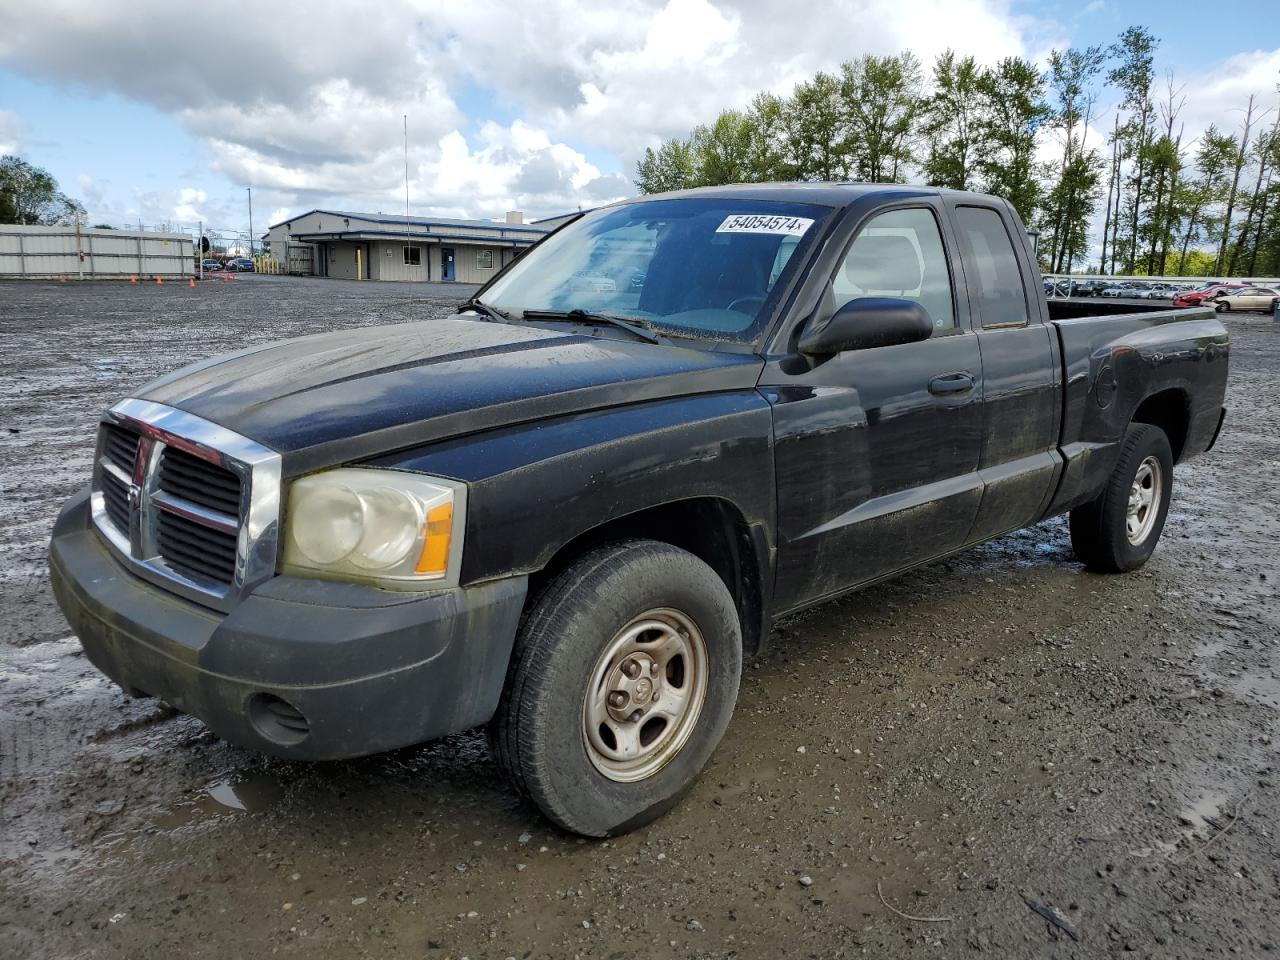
(349, 395)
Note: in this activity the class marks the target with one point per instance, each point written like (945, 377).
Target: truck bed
(1153, 365)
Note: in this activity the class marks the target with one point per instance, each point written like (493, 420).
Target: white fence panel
(43, 253)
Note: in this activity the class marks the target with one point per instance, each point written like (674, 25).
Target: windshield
(703, 267)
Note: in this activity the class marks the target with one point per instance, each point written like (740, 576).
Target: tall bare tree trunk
(1223, 266)
(1111, 186)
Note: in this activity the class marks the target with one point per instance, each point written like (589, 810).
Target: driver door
(876, 450)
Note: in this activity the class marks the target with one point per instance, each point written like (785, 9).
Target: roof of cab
(825, 194)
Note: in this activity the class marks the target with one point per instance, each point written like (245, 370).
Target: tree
(722, 151)
(1265, 149)
(671, 167)
(1233, 192)
(30, 196)
(954, 124)
(1014, 112)
(768, 158)
(1073, 195)
(883, 101)
(813, 121)
(1134, 76)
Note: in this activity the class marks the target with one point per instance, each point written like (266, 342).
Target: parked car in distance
(569, 511)
(211, 266)
(1196, 297)
(240, 265)
(1090, 288)
(1159, 291)
(1244, 298)
(1129, 288)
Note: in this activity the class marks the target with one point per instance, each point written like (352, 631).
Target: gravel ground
(994, 734)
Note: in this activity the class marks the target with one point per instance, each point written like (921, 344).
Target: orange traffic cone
(159, 281)
(133, 279)
(192, 283)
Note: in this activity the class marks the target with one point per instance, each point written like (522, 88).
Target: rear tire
(622, 682)
(1118, 531)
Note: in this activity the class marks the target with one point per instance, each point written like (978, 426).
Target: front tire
(1118, 531)
(621, 684)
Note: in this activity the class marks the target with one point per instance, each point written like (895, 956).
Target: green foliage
(954, 123)
(1160, 203)
(884, 102)
(1014, 113)
(1074, 183)
(30, 196)
(671, 167)
(813, 125)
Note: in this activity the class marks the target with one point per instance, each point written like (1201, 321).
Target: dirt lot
(996, 729)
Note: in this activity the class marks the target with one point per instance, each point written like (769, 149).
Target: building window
(412, 256)
(484, 259)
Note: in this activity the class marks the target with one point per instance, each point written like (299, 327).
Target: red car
(1194, 298)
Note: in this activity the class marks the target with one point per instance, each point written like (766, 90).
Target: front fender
(534, 487)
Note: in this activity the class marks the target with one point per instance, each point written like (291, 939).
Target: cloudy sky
(155, 111)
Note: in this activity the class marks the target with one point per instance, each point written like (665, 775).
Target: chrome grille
(188, 504)
(195, 549)
(120, 447)
(199, 481)
(115, 496)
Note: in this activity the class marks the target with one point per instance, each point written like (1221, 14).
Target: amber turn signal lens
(435, 544)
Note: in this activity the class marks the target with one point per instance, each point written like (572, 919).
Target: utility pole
(421, 254)
(250, 189)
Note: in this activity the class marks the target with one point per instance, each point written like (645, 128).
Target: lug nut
(617, 699)
(631, 669)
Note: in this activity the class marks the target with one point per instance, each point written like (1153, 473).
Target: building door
(446, 263)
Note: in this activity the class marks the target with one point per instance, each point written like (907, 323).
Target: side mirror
(868, 322)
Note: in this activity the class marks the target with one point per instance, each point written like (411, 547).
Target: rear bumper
(304, 669)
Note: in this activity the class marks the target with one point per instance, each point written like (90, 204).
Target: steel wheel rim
(1144, 501)
(645, 695)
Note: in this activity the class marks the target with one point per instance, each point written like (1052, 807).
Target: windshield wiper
(637, 328)
(479, 306)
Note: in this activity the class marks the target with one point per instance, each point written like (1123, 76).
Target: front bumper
(305, 669)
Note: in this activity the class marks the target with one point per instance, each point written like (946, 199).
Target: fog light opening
(278, 720)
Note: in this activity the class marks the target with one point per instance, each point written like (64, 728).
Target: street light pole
(250, 189)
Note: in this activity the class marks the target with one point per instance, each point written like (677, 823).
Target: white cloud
(306, 105)
(1220, 95)
(11, 131)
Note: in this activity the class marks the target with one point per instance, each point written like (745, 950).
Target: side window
(899, 254)
(992, 267)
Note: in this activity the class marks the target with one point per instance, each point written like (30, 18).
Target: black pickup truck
(570, 510)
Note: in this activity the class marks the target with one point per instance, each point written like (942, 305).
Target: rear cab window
(997, 291)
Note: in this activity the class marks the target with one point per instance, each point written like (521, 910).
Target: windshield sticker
(755, 223)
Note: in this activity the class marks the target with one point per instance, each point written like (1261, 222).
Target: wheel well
(711, 529)
(1170, 411)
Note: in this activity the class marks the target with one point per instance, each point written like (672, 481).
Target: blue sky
(511, 106)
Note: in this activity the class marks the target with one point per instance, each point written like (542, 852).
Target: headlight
(402, 531)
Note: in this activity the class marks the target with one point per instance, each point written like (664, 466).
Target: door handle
(961, 382)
